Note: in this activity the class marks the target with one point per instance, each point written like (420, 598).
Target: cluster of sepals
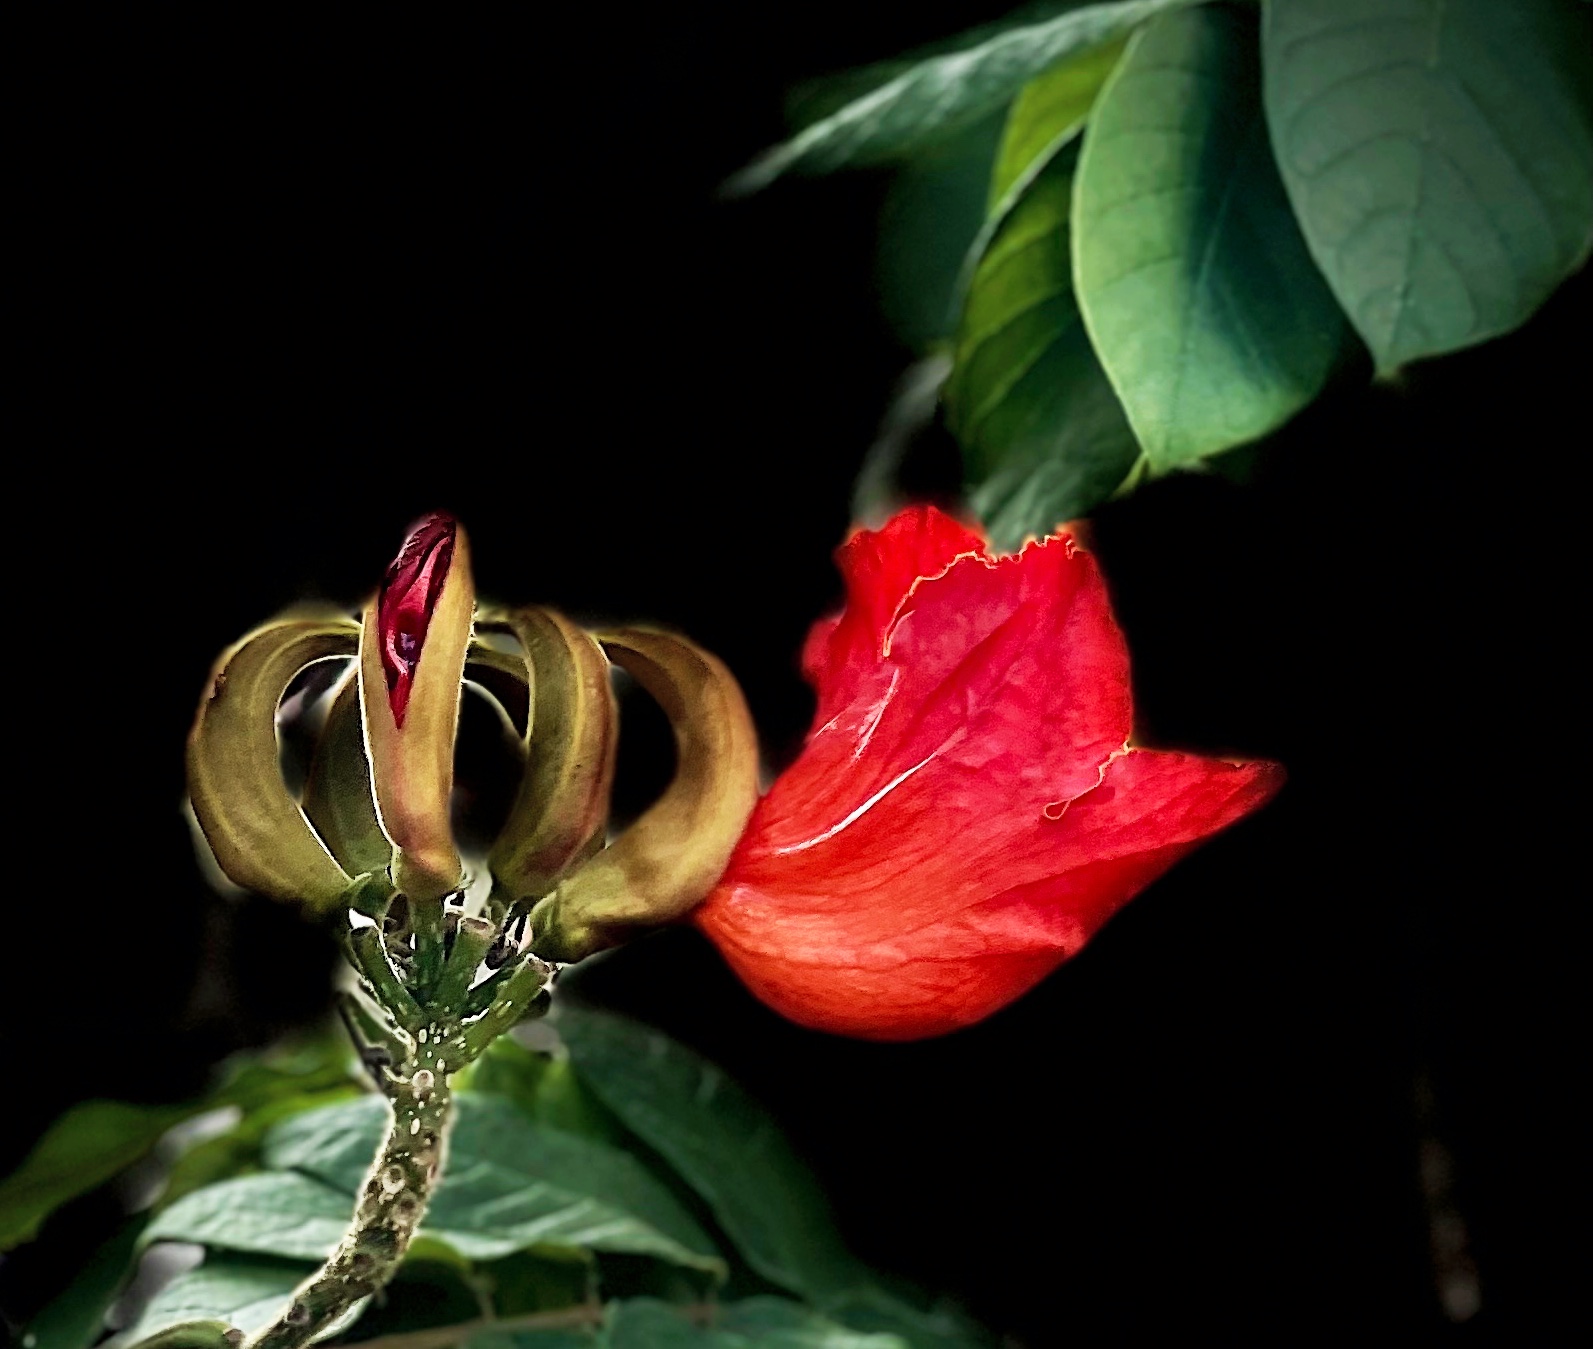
(370, 845)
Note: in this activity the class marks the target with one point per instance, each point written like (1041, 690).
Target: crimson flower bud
(412, 658)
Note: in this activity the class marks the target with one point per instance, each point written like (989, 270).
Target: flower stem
(424, 1026)
(389, 1209)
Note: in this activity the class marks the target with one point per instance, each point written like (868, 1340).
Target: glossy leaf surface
(1196, 286)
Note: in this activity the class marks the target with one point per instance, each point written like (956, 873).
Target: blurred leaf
(758, 1323)
(944, 93)
(76, 1318)
(931, 215)
(248, 1293)
(322, 1061)
(425, 1294)
(84, 1148)
(95, 1140)
(722, 1144)
(1200, 297)
(875, 1309)
(534, 1282)
(509, 1184)
(879, 492)
(236, 1151)
(551, 1338)
(815, 99)
(1043, 436)
(543, 1086)
(1439, 156)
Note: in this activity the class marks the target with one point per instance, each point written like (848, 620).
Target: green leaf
(1439, 155)
(815, 99)
(1043, 436)
(247, 1293)
(757, 1323)
(275, 1213)
(84, 1148)
(509, 1184)
(944, 93)
(943, 1327)
(1197, 289)
(543, 1087)
(236, 1151)
(1049, 112)
(550, 1338)
(76, 1318)
(721, 1143)
(931, 215)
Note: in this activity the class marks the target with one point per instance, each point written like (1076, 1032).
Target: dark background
(287, 287)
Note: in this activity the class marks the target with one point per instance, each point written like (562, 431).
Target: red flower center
(409, 596)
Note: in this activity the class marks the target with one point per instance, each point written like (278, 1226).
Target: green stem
(410, 1060)
(389, 1209)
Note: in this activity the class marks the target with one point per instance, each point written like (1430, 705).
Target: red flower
(966, 812)
(409, 596)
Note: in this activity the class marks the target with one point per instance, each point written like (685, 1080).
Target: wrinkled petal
(880, 568)
(966, 812)
(836, 959)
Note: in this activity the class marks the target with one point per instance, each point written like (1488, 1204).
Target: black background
(287, 287)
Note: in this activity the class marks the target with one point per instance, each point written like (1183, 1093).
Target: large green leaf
(1195, 284)
(722, 1144)
(247, 1293)
(1043, 436)
(509, 1184)
(84, 1148)
(277, 1213)
(944, 93)
(1439, 155)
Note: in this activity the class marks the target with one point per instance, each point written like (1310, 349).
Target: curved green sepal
(260, 838)
(337, 789)
(666, 863)
(563, 799)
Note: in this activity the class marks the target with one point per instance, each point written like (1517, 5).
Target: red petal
(409, 596)
(1000, 688)
(965, 813)
(856, 956)
(880, 568)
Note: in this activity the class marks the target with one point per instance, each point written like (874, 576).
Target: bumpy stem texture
(389, 1209)
(428, 1027)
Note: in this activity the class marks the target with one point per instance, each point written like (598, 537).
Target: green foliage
(614, 1190)
(96, 1140)
(933, 212)
(1419, 169)
(758, 1323)
(247, 1293)
(1043, 435)
(83, 1149)
(945, 92)
(723, 1145)
(74, 1319)
(1439, 155)
(509, 1185)
(1193, 280)
(1048, 114)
